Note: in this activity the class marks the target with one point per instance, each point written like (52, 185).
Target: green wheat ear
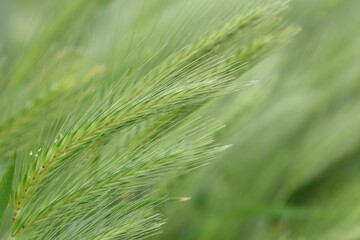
(95, 178)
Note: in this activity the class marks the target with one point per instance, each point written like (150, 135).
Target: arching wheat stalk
(96, 178)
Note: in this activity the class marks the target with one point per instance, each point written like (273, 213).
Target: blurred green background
(293, 171)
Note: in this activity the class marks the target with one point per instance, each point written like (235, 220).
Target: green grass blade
(5, 186)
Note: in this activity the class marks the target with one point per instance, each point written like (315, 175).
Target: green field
(180, 119)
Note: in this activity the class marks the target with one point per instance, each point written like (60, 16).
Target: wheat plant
(102, 102)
